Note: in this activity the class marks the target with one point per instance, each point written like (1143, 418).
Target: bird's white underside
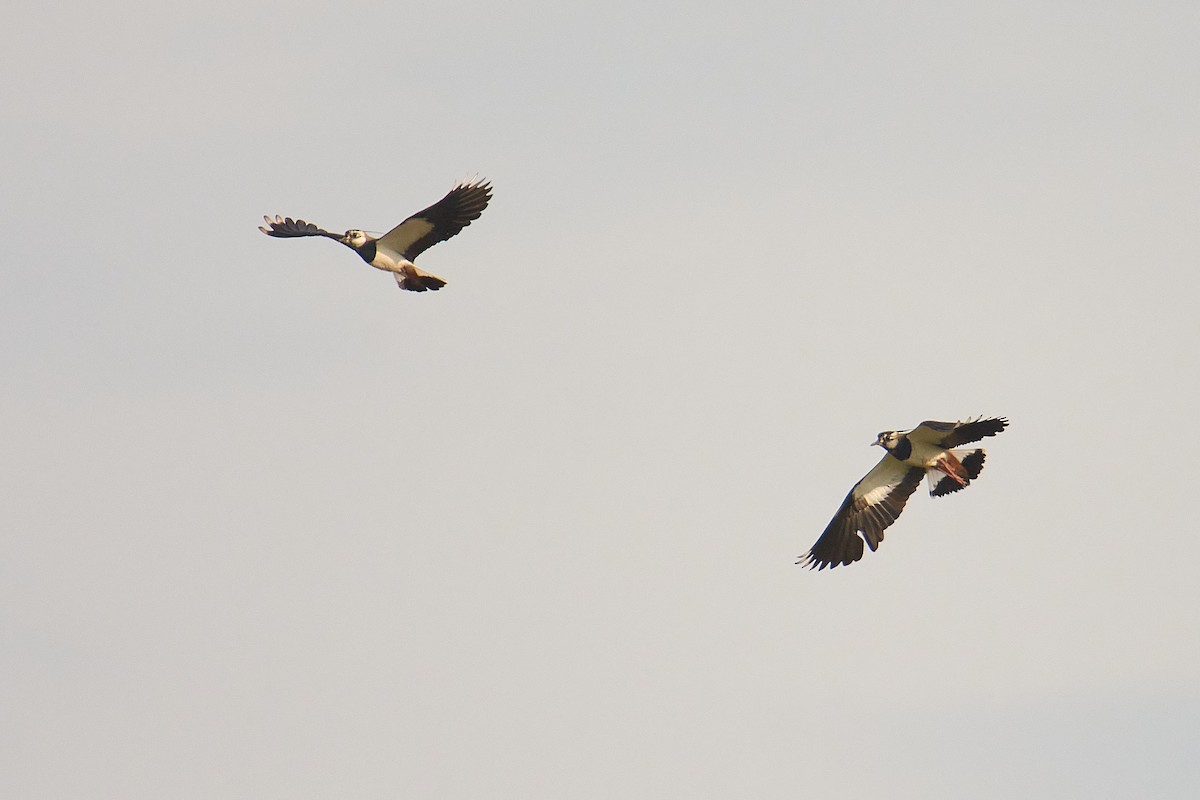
(924, 455)
(389, 261)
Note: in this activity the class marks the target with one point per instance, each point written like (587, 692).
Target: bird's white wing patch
(402, 237)
(879, 482)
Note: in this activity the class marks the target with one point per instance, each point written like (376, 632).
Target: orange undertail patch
(952, 467)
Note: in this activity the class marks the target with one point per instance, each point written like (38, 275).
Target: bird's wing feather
(439, 222)
(953, 434)
(872, 505)
(288, 228)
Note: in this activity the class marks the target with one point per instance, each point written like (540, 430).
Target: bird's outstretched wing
(872, 505)
(953, 434)
(464, 203)
(288, 228)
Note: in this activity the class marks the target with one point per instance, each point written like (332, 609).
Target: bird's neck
(903, 449)
(367, 251)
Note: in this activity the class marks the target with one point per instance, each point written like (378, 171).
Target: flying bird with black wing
(927, 451)
(395, 251)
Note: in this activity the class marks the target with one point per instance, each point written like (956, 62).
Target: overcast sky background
(274, 528)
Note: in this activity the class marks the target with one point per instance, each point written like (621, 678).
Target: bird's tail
(419, 281)
(964, 468)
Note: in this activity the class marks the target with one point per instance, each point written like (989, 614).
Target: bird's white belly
(389, 263)
(924, 455)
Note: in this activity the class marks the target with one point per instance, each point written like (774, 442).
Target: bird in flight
(877, 500)
(395, 250)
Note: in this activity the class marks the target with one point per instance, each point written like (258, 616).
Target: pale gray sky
(273, 528)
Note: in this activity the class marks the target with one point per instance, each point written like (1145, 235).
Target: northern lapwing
(395, 250)
(877, 500)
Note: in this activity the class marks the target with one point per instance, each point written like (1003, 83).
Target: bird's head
(355, 238)
(887, 440)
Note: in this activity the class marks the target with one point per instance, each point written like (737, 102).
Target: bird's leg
(950, 465)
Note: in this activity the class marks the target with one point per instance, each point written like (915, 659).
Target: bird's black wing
(439, 222)
(288, 228)
(953, 434)
(872, 505)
